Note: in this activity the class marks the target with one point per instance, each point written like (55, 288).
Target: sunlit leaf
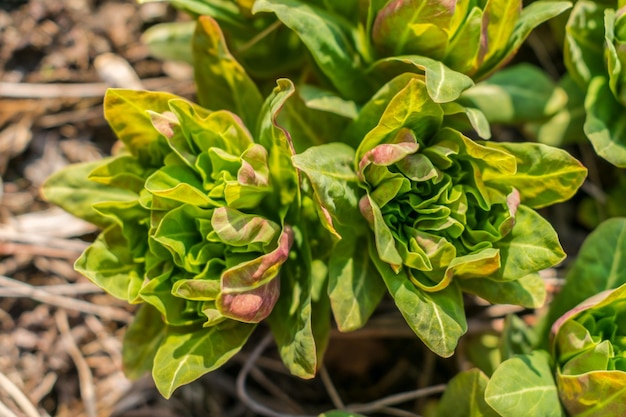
(532, 390)
(187, 353)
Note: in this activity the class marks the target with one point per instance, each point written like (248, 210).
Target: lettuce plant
(445, 214)
(194, 212)
(589, 347)
(595, 59)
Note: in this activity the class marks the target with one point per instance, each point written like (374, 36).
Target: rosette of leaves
(199, 220)
(589, 348)
(441, 213)
(595, 55)
(574, 368)
(358, 46)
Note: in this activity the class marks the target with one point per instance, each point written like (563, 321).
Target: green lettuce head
(193, 217)
(589, 347)
(449, 213)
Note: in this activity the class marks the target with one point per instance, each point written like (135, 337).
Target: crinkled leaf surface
(605, 125)
(545, 175)
(370, 113)
(411, 108)
(594, 394)
(465, 396)
(524, 385)
(222, 82)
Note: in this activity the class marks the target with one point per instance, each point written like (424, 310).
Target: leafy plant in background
(594, 57)
(581, 371)
(291, 202)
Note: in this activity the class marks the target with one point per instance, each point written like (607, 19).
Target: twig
(18, 396)
(48, 90)
(330, 388)
(73, 245)
(260, 36)
(13, 248)
(60, 289)
(75, 90)
(27, 290)
(242, 393)
(85, 377)
(277, 392)
(395, 399)
(5, 411)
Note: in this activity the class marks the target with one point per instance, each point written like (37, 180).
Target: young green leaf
(71, 189)
(545, 175)
(355, 288)
(330, 40)
(278, 143)
(188, 353)
(329, 168)
(531, 246)
(444, 85)
(465, 396)
(599, 266)
(109, 263)
(291, 319)
(223, 83)
(528, 291)
(437, 318)
(141, 341)
(520, 93)
(524, 385)
(127, 112)
(605, 127)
